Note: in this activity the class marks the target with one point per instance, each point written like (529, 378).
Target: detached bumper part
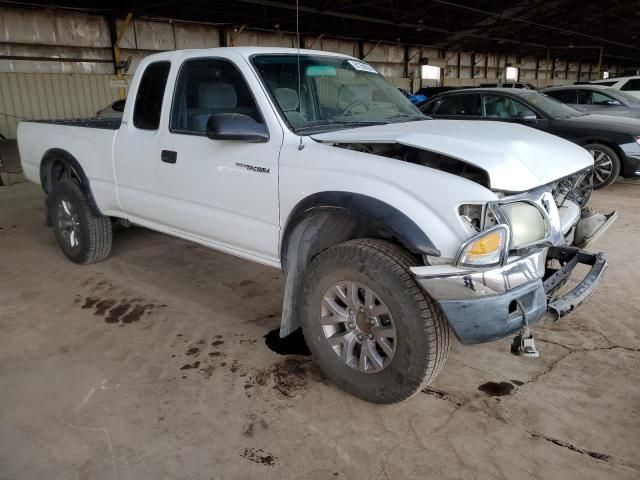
(485, 305)
(572, 299)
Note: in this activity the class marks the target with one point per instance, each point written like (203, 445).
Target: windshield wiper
(339, 123)
(408, 117)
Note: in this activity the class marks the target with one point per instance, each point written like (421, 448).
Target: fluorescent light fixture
(512, 74)
(430, 72)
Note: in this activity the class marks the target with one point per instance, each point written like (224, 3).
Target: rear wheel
(84, 237)
(606, 164)
(371, 329)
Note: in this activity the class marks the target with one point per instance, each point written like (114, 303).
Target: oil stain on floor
(293, 344)
(495, 389)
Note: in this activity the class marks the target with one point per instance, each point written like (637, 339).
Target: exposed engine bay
(559, 211)
(422, 157)
(556, 209)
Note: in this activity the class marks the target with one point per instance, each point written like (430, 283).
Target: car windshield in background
(334, 93)
(549, 105)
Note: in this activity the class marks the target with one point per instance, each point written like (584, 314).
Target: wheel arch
(52, 168)
(328, 218)
(365, 216)
(612, 145)
(607, 143)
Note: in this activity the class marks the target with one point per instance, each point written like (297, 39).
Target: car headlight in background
(526, 221)
(487, 249)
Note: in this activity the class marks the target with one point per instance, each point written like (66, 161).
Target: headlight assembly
(526, 221)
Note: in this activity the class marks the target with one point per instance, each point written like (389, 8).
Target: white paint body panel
(619, 83)
(92, 147)
(206, 198)
(517, 158)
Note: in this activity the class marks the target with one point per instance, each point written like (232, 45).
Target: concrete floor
(153, 365)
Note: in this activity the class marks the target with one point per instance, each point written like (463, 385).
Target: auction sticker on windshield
(361, 66)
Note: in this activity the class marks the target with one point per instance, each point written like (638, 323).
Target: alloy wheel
(69, 223)
(602, 166)
(358, 326)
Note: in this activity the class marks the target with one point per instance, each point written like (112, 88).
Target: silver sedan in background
(596, 99)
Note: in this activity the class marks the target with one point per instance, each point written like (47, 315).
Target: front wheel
(83, 237)
(370, 327)
(606, 164)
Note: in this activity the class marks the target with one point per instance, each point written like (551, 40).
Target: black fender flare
(388, 218)
(54, 155)
(327, 218)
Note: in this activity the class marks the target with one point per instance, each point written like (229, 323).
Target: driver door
(220, 191)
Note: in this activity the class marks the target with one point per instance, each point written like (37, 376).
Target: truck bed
(107, 123)
(89, 141)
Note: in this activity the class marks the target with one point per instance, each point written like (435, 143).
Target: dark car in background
(614, 142)
(597, 99)
(527, 86)
(433, 91)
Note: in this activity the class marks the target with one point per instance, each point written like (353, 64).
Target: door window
(459, 105)
(633, 84)
(146, 112)
(498, 106)
(584, 97)
(429, 108)
(207, 87)
(590, 97)
(565, 96)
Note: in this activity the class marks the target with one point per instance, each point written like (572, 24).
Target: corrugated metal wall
(50, 95)
(72, 60)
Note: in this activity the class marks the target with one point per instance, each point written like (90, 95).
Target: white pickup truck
(392, 229)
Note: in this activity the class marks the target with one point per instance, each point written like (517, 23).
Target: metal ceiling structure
(575, 29)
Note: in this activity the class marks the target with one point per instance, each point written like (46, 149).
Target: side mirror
(527, 116)
(235, 126)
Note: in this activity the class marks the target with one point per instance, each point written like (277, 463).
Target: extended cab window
(207, 87)
(467, 105)
(146, 113)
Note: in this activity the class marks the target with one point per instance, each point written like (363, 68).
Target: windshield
(334, 93)
(549, 105)
(624, 95)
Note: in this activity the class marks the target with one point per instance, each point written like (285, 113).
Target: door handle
(169, 156)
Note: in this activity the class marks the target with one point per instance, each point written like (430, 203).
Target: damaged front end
(522, 250)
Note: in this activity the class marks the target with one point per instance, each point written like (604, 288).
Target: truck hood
(516, 158)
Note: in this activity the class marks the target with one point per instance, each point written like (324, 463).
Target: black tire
(92, 236)
(422, 333)
(600, 178)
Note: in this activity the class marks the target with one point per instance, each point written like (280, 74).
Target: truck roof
(243, 51)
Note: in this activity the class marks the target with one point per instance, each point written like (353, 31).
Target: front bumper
(631, 167)
(485, 305)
